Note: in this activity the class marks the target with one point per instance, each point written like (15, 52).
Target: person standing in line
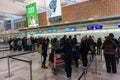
(44, 53)
(33, 44)
(109, 47)
(29, 44)
(67, 50)
(19, 44)
(99, 43)
(10, 41)
(119, 47)
(74, 40)
(76, 55)
(92, 44)
(84, 49)
(117, 43)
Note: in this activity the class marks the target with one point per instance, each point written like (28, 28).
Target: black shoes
(44, 67)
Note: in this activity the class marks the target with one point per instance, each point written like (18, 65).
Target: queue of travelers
(26, 44)
(72, 50)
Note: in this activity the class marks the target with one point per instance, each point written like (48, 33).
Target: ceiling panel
(17, 7)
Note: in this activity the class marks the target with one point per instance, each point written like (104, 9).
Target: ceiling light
(91, 19)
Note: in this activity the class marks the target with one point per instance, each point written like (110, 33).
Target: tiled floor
(100, 73)
(20, 70)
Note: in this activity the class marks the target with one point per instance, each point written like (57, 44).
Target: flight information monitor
(54, 31)
(67, 30)
(49, 31)
(90, 27)
(73, 29)
(118, 25)
(98, 27)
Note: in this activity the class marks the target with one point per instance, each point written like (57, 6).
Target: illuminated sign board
(28, 33)
(118, 25)
(32, 16)
(73, 29)
(52, 31)
(90, 27)
(49, 31)
(38, 32)
(67, 30)
(98, 27)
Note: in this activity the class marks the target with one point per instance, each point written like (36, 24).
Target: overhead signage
(32, 16)
(38, 32)
(90, 27)
(28, 33)
(53, 8)
(67, 29)
(98, 27)
(118, 25)
(49, 31)
(52, 31)
(73, 29)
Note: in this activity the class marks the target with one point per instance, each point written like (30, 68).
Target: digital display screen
(90, 27)
(98, 27)
(73, 29)
(54, 30)
(67, 29)
(118, 25)
(38, 32)
(28, 33)
(49, 31)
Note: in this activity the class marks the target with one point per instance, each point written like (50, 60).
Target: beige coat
(40, 49)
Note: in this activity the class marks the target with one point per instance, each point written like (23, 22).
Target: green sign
(32, 16)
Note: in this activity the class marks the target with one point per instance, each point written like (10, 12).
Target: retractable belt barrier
(86, 69)
(30, 63)
(19, 54)
(4, 47)
(4, 50)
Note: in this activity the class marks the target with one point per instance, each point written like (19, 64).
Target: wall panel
(91, 9)
(42, 19)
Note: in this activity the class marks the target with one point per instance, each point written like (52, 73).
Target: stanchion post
(101, 54)
(41, 59)
(96, 67)
(30, 69)
(8, 67)
(85, 74)
(95, 64)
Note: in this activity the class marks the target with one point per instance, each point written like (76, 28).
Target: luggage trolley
(55, 60)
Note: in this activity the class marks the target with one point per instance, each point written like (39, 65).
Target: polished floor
(21, 70)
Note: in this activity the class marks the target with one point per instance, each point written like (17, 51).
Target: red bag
(115, 51)
(54, 64)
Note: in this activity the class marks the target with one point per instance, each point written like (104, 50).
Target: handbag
(115, 51)
(40, 49)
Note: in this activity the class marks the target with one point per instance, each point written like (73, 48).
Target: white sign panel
(74, 1)
(53, 8)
